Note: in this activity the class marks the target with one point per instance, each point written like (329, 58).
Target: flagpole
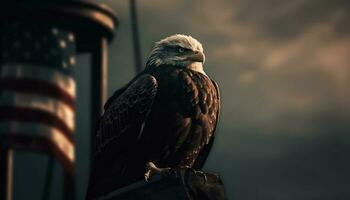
(135, 37)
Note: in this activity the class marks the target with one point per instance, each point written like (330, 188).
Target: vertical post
(135, 36)
(68, 186)
(99, 70)
(6, 172)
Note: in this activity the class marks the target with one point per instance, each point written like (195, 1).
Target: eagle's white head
(178, 50)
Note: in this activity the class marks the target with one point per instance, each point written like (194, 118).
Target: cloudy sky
(284, 70)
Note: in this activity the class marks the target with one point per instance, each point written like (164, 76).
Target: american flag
(37, 89)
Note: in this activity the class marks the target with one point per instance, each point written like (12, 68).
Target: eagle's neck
(198, 67)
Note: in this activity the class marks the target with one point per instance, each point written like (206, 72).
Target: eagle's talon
(147, 176)
(152, 169)
(205, 178)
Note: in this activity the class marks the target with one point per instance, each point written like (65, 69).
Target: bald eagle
(165, 117)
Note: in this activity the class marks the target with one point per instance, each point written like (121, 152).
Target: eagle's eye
(181, 50)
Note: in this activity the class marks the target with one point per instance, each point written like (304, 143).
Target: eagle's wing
(117, 138)
(126, 111)
(203, 155)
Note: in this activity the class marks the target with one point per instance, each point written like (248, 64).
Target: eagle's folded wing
(128, 110)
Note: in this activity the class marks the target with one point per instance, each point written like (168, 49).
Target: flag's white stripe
(47, 104)
(41, 73)
(55, 135)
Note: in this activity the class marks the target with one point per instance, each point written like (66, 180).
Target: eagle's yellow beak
(197, 56)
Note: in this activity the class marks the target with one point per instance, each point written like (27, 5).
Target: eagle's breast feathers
(191, 101)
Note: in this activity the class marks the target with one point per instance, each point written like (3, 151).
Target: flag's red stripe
(37, 87)
(35, 115)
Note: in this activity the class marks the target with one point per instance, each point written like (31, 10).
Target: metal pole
(99, 70)
(135, 37)
(6, 172)
(68, 186)
(48, 177)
